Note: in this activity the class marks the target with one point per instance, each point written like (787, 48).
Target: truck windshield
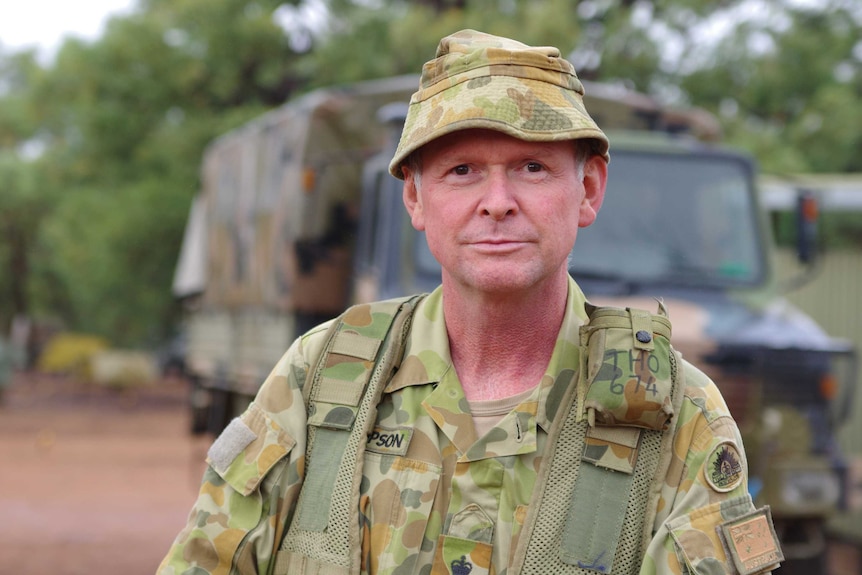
(681, 219)
(667, 218)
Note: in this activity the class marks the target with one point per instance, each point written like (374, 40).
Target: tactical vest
(596, 509)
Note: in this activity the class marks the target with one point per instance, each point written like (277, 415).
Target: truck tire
(199, 406)
(803, 543)
(809, 566)
(220, 412)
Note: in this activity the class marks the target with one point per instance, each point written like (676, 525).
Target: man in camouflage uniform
(501, 166)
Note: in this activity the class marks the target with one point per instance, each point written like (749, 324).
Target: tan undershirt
(487, 413)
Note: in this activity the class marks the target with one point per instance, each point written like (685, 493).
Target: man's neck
(501, 344)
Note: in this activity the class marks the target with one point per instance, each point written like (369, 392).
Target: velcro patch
(752, 543)
(230, 443)
(723, 469)
(389, 441)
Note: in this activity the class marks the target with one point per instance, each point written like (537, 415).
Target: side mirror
(807, 216)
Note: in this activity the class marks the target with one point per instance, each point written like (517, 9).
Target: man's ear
(595, 180)
(412, 199)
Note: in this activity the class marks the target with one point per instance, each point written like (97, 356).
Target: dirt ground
(93, 480)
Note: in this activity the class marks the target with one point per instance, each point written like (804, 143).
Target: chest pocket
(396, 503)
(467, 548)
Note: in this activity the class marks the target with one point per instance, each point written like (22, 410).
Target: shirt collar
(427, 358)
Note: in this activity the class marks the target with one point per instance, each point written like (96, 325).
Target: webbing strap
(622, 318)
(597, 507)
(356, 345)
(340, 391)
(595, 518)
(340, 379)
(290, 563)
(363, 349)
(641, 324)
(329, 446)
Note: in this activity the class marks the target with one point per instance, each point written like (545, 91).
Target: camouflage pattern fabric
(627, 364)
(435, 498)
(482, 81)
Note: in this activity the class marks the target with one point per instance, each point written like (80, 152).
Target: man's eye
(461, 170)
(534, 167)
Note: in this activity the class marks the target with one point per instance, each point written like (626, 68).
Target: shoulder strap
(364, 347)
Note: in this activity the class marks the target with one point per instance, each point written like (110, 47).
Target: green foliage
(796, 105)
(90, 230)
(70, 353)
(233, 51)
(113, 256)
(17, 73)
(836, 230)
(372, 43)
(24, 200)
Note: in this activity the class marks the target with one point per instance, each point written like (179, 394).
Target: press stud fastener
(643, 336)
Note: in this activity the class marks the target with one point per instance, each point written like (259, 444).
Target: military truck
(298, 217)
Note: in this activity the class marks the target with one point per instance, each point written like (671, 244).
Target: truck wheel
(219, 411)
(199, 407)
(808, 566)
(804, 545)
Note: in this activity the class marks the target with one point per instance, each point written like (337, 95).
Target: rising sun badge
(723, 468)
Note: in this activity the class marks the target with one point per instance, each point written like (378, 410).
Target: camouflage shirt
(430, 486)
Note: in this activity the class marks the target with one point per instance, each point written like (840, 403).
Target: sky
(44, 23)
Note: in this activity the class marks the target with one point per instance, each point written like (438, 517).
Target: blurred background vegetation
(100, 147)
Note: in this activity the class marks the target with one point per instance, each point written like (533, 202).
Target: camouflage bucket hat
(482, 81)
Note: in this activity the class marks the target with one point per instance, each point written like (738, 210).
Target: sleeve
(706, 521)
(248, 491)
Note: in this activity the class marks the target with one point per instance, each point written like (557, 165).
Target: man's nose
(498, 198)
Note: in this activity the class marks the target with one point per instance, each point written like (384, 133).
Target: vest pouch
(627, 366)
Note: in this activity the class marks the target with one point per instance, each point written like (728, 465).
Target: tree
(23, 202)
(788, 88)
(119, 126)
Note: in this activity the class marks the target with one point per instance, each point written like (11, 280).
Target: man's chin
(500, 280)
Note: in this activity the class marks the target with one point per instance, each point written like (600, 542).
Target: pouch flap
(614, 448)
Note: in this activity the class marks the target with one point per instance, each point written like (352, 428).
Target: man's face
(502, 214)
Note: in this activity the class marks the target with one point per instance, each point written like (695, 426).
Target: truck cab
(682, 224)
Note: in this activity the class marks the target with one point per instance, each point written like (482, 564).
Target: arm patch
(230, 443)
(723, 469)
(751, 542)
